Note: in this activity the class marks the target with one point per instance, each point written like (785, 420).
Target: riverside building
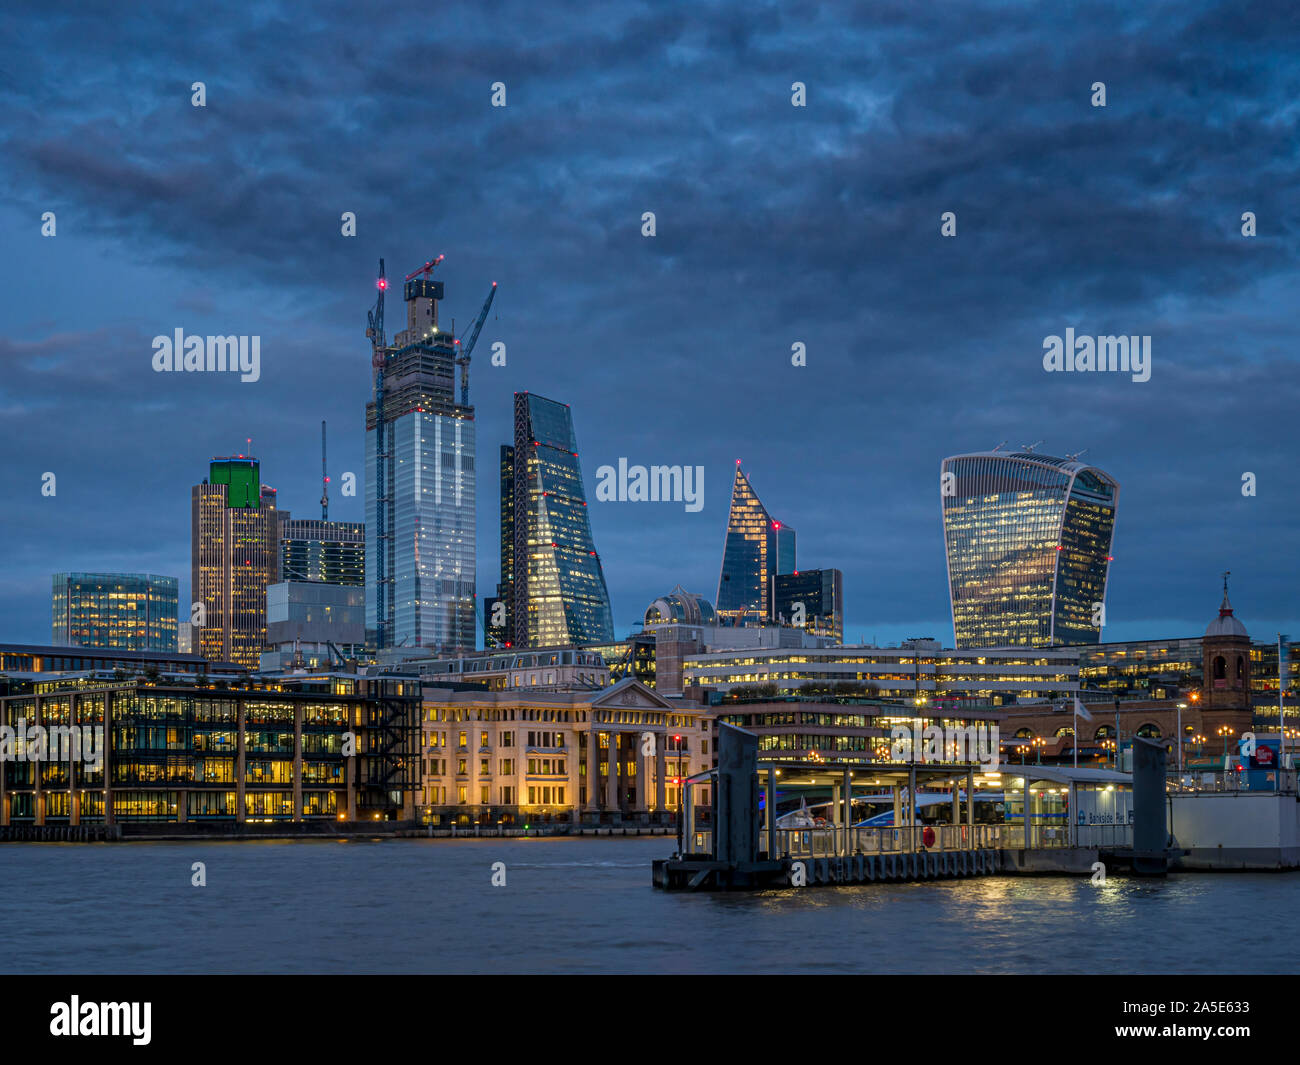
(212, 751)
(615, 755)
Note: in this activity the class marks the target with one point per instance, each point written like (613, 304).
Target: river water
(586, 906)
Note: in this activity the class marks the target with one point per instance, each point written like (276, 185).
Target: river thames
(586, 906)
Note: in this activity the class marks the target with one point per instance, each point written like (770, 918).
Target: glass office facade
(123, 611)
(333, 552)
(558, 592)
(811, 599)
(170, 753)
(757, 548)
(427, 594)
(1028, 541)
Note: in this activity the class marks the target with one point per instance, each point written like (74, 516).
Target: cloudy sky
(775, 224)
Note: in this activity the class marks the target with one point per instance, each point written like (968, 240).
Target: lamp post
(1225, 731)
(1181, 708)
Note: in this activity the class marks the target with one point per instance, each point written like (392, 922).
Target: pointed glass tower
(757, 548)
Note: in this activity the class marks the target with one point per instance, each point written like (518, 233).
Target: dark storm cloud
(775, 225)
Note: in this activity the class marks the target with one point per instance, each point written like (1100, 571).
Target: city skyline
(677, 348)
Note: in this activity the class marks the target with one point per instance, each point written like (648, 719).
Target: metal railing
(833, 841)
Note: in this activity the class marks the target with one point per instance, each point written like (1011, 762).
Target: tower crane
(378, 353)
(466, 349)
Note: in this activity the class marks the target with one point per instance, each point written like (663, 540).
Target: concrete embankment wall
(1235, 830)
(1057, 861)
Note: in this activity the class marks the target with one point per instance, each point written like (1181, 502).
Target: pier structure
(1066, 821)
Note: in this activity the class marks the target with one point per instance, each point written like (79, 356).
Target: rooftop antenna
(1075, 456)
(1030, 447)
(324, 480)
(1000, 446)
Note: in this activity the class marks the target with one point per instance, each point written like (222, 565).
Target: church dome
(681, 607)
(1226, 624)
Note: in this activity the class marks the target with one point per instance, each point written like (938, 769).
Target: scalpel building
(1028, 540)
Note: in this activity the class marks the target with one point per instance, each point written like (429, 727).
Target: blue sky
(775, 225)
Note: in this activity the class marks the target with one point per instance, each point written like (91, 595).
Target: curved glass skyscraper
(1028, 541)
(556, 587)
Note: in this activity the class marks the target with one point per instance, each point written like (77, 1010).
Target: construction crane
(466, 349)
(324, 479)
(378, 352)
(426, 269)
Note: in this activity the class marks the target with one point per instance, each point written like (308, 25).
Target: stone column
(593, 769)
(611, 778)
(639, 763)
(661, 783)
(572, 760)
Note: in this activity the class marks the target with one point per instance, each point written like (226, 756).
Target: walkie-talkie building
(1028, 541)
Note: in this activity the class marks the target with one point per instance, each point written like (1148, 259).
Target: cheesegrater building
(1028, 543)
(554, 587)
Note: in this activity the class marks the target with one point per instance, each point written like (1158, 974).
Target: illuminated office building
(757, 548)
(556, 591)
(1028, 541)
(420, 551)
(235, 554)
(811, 599)
(330, 552)
(125, 611)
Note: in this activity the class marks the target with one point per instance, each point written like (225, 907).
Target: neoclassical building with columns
(609, 756)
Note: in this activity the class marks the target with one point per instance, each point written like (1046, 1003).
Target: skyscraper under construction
(420, 528)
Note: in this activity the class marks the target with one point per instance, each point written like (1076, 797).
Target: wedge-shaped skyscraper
(1028, 541)
(555, 588)
(758, 547)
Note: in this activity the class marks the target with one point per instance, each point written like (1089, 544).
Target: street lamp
(1181, 708)
(1040, 743)
(1225, 731)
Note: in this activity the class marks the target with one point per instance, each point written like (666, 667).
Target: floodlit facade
(420, 557)
(757, 548)
(616, 755)
(1028, 541)
(235, 554)
(128, 611)
(556, 592)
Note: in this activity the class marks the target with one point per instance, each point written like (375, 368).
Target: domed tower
(1225, 651)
